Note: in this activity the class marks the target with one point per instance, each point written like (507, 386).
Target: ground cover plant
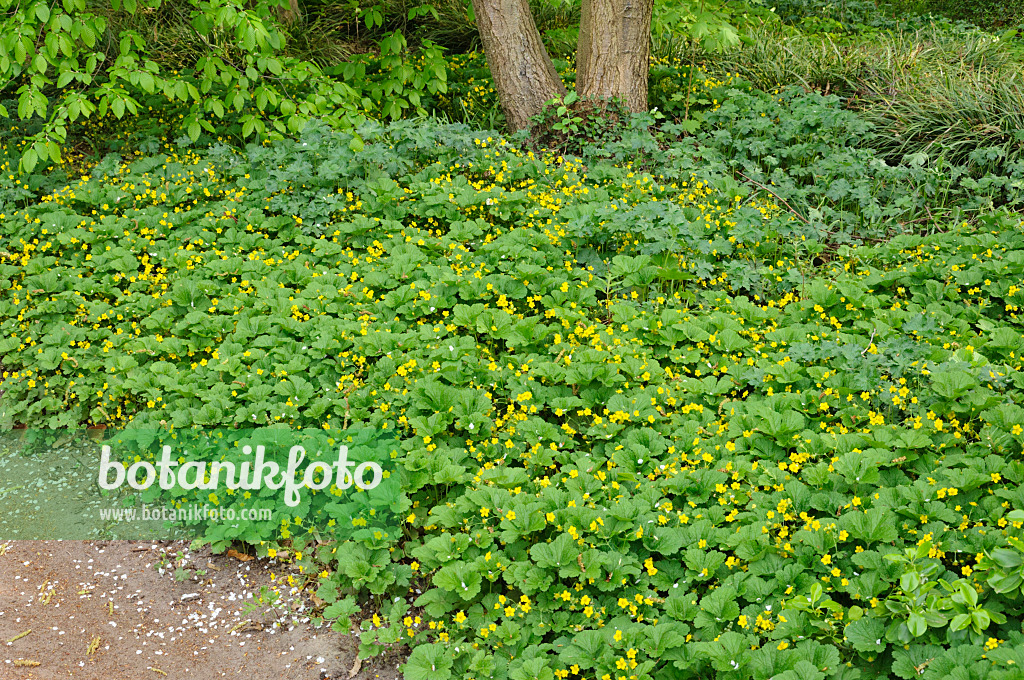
(744, 402)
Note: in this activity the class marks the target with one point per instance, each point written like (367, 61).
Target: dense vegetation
(734, 387)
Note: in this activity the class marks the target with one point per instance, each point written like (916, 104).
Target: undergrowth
(743, 402)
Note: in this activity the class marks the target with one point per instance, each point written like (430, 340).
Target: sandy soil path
(106, 610)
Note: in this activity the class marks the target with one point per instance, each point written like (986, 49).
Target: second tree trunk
(612, 58)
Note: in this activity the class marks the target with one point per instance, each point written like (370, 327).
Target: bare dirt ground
(114, 610)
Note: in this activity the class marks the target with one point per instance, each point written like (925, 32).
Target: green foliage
(471, 97)
(986, 13)
(263, 515)
(938, 91)
(728, 404)
(74, 61)
(1005, 566)
(43, 50)
(682, 91)
(714, 25)
(570, 124)
(846, 16)
(393, 82)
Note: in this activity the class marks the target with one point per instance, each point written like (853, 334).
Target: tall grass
(880, 63)
(974, 119)
(940, 90)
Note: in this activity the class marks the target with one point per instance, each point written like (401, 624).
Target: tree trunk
(613, 55)
(290, 14)
(524, 76)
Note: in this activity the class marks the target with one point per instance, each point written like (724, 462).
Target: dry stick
(243, 624)
(791, 208)
(19, 636)
(871, 341)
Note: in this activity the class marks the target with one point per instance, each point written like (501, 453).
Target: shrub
(571, 124)
(219, 61)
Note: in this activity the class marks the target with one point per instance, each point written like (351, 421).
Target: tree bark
(523, 74)
(613, 54)
(290, 14)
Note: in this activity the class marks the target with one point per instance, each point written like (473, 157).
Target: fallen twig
(784, 202)
(19, 636)
(871, 341)
(243, 624)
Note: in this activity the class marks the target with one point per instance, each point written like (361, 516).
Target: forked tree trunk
(523, 74)
(613, 54)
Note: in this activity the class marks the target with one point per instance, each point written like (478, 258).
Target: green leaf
(1007, 559)
(460, 578)
(29, 160)
(1005, 583)
(952, 384)
(533, 669)
(872, 526)
(866, 635)
(342, 611)
(917, 624)
(428, 662)
(960, 622)
(558, 554)
(803, 670)
(980, 620)
(328, 592)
